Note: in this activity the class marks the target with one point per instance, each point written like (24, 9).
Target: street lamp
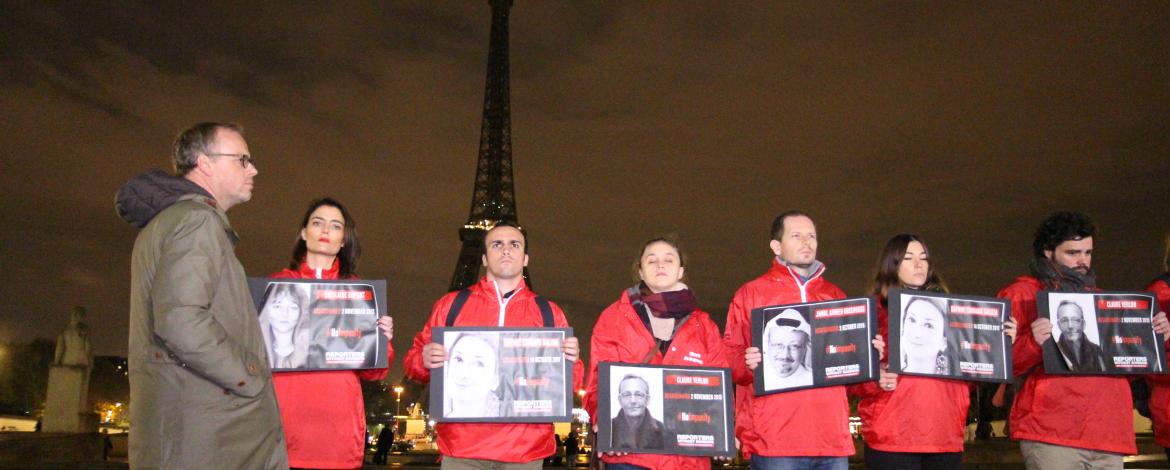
(398, 401)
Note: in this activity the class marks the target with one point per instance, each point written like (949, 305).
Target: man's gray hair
(1063, 303)
(196, 140)
(634, 376)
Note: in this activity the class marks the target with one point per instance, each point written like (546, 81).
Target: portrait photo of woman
(471, 377)
(284, 322)
(924, 339)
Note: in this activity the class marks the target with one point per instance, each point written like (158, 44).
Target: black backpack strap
(545, 312)
(457, 305)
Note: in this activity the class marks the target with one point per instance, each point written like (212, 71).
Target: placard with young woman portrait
(818, 344)
(949, 336)
(1101, 333)
(502, 375)
(664, 409)
(314, 324)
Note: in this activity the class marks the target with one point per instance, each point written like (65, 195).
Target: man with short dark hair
(201, 392)
(1065, 421)
(500, 298)
(634, 427)
(774, 430)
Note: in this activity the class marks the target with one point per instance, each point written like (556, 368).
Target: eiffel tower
(493, 199)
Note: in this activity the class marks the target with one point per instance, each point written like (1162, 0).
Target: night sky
(964, 123)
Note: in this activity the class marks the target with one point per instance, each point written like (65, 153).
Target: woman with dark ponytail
(911, 421)
(323, 411)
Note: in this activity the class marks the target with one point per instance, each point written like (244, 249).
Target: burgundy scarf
(673, 304)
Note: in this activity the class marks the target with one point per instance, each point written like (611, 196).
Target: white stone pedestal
(66, 402)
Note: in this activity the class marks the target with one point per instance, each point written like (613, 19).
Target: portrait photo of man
(787, 340)
(634, 427)
(1080, 352)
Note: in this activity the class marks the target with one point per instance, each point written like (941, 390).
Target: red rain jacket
(921, 415)
(1160, 384)
(323, 411)
(504, 442)
(808, 423)
(1086, 412)
(620, 336)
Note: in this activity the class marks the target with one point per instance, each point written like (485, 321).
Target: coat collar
(219, 212)
(489, 288)
(309, 273)
(780, 271)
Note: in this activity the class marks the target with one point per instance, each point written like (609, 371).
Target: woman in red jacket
(323, 411)
(655, 322)
(1160, 384)
(912, 422)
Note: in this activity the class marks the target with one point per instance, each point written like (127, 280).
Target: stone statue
(67, 401)
(73, 343)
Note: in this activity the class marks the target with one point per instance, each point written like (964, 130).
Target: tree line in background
(24, 378)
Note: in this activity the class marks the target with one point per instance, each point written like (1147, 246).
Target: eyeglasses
(244, 158)
(629, 395)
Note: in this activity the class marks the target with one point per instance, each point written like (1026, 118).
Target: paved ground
(997, 454)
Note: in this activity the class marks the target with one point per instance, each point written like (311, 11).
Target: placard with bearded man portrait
(1101, 333)
(811, 345)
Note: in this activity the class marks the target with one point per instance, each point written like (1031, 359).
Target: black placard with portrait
(817, 344)
(950, 336)
(665, 409)
(315, 324)
(502, 375)
(1101, 333)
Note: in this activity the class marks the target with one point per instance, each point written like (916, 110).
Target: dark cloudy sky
(965, 123)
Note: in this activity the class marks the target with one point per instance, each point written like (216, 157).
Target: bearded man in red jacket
(499, 299)
(774, 430)
(1065, 421)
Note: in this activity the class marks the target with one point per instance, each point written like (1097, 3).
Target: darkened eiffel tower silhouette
(493, 200)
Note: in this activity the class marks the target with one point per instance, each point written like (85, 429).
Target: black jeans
(876, 459)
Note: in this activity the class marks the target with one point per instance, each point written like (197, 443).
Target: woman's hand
(1009, 328)
(752, 357)
(1161, 325)
(888, 381)
(386, 325)
(880, 345)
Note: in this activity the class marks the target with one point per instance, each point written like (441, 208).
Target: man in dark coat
(201, 393)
